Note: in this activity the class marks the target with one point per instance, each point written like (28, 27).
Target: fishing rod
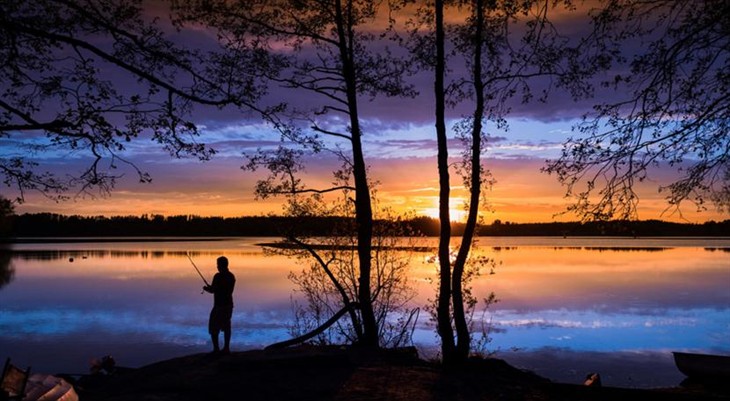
(196, 269)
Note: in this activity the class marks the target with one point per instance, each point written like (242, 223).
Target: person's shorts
(220, 319)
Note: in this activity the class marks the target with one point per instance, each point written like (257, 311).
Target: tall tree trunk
(363, 207)
(463, 344)
(443, 311)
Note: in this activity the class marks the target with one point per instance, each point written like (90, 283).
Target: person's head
(222, 263)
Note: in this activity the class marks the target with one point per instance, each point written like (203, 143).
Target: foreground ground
(333, 373)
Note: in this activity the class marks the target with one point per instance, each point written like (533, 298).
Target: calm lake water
(567, 306)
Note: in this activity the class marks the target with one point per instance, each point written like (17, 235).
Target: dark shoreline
(349, 373)
(42, 225)
(172, 238)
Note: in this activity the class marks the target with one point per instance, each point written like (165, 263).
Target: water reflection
(534, 279)
(141, 301)
(72, 255)
(7, 270)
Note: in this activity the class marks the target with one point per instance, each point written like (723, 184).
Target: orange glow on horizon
(521, 195)
(457, 213)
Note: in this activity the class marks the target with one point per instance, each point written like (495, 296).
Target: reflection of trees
(49, 255)
(623, 249)
(718, 249)
(7, 271)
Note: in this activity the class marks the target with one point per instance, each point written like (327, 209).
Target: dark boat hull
(703, 366)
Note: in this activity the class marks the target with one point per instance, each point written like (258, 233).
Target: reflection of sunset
(542, 278)
(536, 275)
(576, 293)
(598, 297)
(547, 278)
(264, 278)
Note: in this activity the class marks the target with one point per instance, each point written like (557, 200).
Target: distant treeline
(644, 228)
(57, 225)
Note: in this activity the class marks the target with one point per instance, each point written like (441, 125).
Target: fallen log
(315, 332)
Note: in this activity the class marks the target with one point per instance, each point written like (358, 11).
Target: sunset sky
(400, 148)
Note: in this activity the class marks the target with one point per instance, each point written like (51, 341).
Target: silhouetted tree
(331, 279)
(87, 77)
(7, 211)
(505, 46)
(326, 56)
(56, 225)
(443, 308)
(670, 62)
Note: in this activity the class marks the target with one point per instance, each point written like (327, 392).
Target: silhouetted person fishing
(220, 315)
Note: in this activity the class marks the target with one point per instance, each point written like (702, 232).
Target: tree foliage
(323, 46)
(83, 79)
(331, 276)
(7, 211)
(669, 63)
(500, 49)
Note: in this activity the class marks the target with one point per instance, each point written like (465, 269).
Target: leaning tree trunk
(463, 344)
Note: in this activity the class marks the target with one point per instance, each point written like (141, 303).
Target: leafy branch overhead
(327, 53)
(675, 115)
(87, 78)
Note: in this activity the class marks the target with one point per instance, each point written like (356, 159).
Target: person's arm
(211, 288)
